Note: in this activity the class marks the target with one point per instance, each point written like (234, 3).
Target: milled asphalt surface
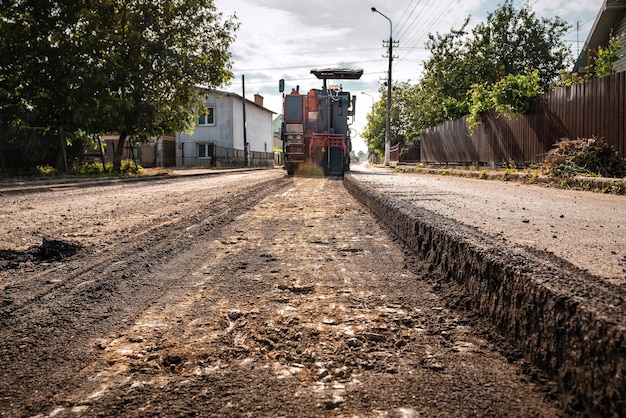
(585, 228)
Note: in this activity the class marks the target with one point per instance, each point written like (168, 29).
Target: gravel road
(237, 295)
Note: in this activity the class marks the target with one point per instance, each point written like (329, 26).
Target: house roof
(230, 94)
(610, 14)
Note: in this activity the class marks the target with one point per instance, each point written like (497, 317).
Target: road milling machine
(316, 130)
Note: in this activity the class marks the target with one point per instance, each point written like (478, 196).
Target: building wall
(259, 127)
(220, 133)
(227, 130)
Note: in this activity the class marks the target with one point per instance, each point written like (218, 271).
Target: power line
(417, 32)
(575, 29)
(404, 21)
(412, 27)
(420, 35)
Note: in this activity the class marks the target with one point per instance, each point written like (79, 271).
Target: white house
(218, 138)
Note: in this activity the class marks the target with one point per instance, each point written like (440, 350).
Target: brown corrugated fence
(594, 108)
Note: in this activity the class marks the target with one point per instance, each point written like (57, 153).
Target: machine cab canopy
(337, 74)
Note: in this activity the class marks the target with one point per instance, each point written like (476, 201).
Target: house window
(206, 117)
(204, 150)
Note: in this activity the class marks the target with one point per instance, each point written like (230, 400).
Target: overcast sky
(285, 39)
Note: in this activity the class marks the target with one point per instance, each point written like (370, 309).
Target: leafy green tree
(37, 60)
(130, 67)
(151, 61)
(515, 41)
(510, 42)
(374, 131)
(606, 57)
(36, 66)
(402, 114)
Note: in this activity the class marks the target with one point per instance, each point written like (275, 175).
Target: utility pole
(389, 83)
(245, 124)
(577, 39)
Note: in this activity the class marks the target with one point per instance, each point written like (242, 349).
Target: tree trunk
(104, 167)
(2, 166)
(119, 152)
(63, 145)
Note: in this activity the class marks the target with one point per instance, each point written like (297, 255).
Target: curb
(600, 184)
(561, 319)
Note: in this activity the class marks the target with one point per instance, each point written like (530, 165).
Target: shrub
(45, 170)
(96, 169)
(604, 62)
(480, 101)
(512, 93)
(131, 167)
(510, 96)
(89, 169)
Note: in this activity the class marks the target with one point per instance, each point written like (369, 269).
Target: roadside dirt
(239, 295)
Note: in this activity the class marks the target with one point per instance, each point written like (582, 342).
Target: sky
(286, 39)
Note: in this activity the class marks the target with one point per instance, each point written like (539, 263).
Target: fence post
(63, 149)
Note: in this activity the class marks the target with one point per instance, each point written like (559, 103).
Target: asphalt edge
(597, 184)
(27, 187)
(580, 346)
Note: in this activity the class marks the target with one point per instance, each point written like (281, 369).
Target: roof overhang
(600, 33)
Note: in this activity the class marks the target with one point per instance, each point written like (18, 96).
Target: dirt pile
(584, 156)
(50, 250)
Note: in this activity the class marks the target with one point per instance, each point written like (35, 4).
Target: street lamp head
(374, 9)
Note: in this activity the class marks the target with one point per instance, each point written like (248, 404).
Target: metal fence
(594, 108)
(160, 152)
(406, 154)
(227, 157)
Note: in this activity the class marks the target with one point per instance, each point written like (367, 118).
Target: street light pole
(388, 118)
(369, 149)
(371, 97)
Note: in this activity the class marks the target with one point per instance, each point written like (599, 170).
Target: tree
(515, 41)
(131, 67)
(601, 63)
(374, 131)
(605, 57)
(510, 42)
(151, 62)
(402, 113)
(447, 76)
